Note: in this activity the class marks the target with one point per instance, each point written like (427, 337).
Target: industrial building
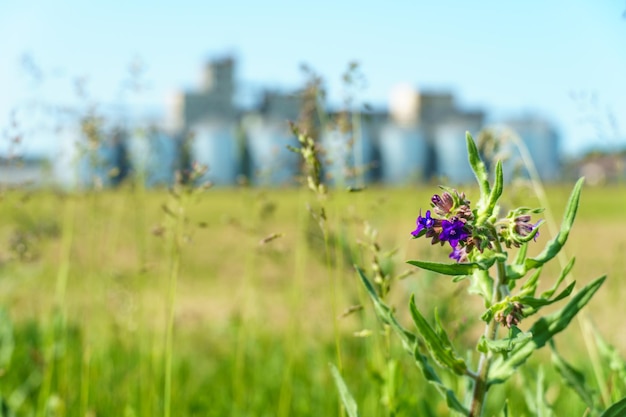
(420, 138)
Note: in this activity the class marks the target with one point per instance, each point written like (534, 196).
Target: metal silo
(403, 154)
(450, 146)
(154, 157)
(542, 144)
(271, 162)
(214, 144)
(348, 156)
(89, 163)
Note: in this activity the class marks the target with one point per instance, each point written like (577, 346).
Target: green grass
(85, 282)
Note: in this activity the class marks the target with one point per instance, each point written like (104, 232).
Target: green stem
(175, 241)
(481, 385)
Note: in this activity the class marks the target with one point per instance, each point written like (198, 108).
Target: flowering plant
(480, 241)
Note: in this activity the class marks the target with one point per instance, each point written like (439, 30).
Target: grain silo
(90, 157)
(403, 154)
(214, 145)
(450, 148)
(402, 143)
(541, 141)
(271, 162)
(154, 157)
(348, 156)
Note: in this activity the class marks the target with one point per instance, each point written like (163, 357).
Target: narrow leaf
(441, 332)
(514, 272)
(542, 330)
(386, 315)
(482, 284)
(344, 393)
(478, 166)
(611, 355)
(503, 345)
(521, 254)
(431, 376)
(554, 246)
(410, 343)
(530, 286)
(445, 269)
(573, 378)
(534, 304)
(439, 348)
(506, 411)
(562, 275)
(616, 410)
(496, 191)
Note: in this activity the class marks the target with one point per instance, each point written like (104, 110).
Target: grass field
(88, 283)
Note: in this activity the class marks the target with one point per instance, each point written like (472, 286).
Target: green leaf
(503, 345)
(535, 398)
(478, 166)
(445, 269)
(521, 255)
(488, 258)
(611, 355)
(344, 393)
(554, 246)
(517, 270)
(431, 376)
(542, 330)
(562, 275)
(495, 193)
(506, 411)
(412, 345)
(573, 378)
(514, 272)
(530, 286)
(534, 304)
(439, 348)
(386, 315)
(441, 332)
(616, 410)
(481, 284)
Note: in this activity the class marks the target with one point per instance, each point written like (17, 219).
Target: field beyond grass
(259, 292)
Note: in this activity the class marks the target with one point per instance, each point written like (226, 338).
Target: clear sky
(562, 59)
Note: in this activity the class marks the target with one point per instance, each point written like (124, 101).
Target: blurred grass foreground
(86, 286)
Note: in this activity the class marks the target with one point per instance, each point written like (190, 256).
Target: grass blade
(344, 393)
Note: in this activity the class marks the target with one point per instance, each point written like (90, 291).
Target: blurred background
(124, 298)
(93, 93)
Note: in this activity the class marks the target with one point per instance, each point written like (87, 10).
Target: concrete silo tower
(402, 142)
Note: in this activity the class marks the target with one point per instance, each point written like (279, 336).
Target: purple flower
(442, 204)
(423, 223)
(536, 234)
(459, 254)
(524, 227)
(453, 232)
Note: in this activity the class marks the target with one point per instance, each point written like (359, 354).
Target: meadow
(233, 302)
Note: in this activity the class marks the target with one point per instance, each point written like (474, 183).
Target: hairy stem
(479, 393)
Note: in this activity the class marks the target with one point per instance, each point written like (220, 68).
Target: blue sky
(563, 59)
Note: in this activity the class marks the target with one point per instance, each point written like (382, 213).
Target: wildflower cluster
(479, 238)
(456, 224)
